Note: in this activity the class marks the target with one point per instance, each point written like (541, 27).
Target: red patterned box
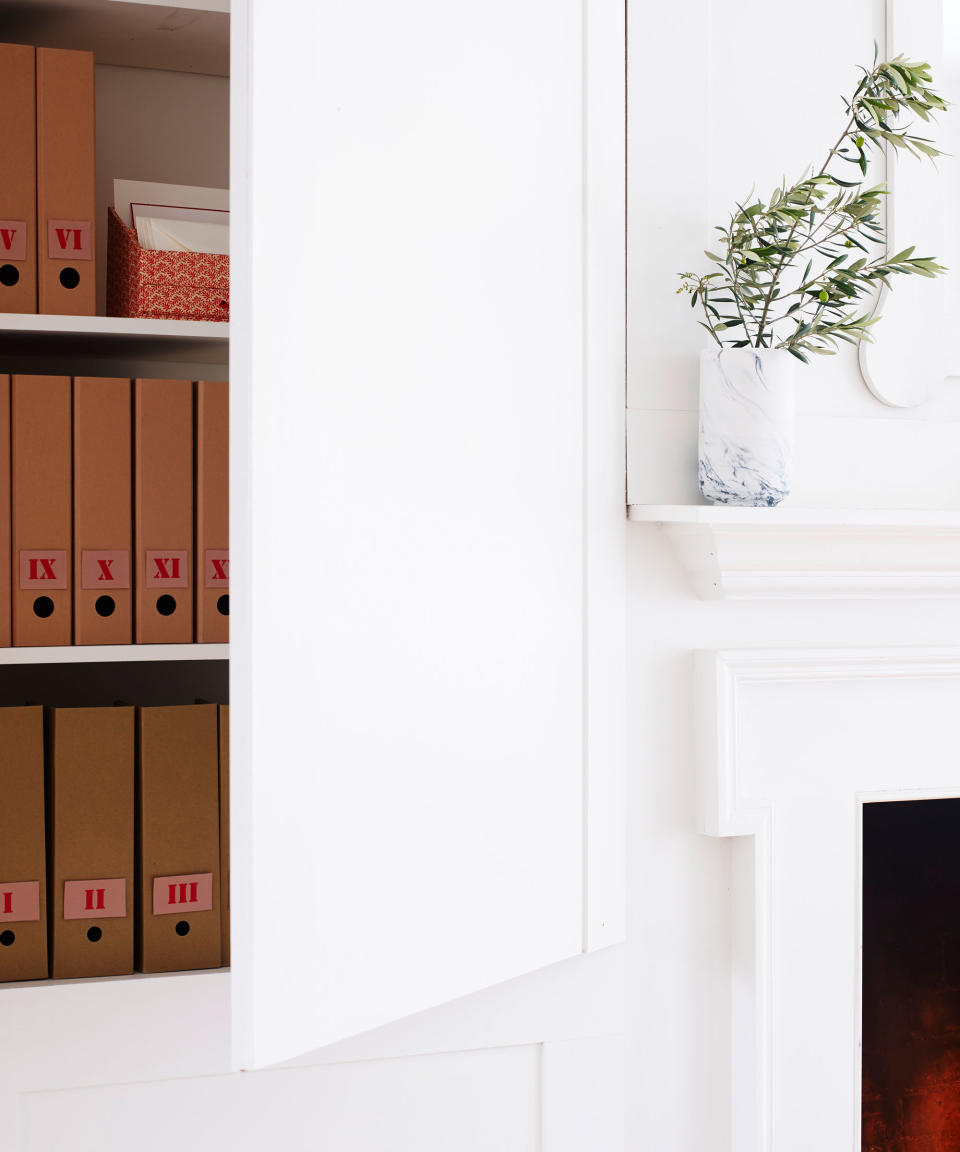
(163, 285)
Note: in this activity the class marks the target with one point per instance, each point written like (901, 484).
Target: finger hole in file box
(105, 605)
(7, 938)
(69, 277)
(94, 934)
(43, 607)
(9, 275)
(182, 928)
(223, 605)
(166, 605)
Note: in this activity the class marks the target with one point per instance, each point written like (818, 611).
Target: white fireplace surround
(791, 744)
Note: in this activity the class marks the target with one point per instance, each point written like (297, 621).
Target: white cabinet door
(413, 586)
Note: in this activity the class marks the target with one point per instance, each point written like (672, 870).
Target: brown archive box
(23, 886)
(102, 511)
(163, 513)
(66, 205)
(212, 576)
(18, 179)
(90, 803)
(42, 511)
(178, 819)
(224, 834)
(6, 630)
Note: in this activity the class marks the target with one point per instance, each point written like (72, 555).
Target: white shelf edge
(113, 653)
(49, 982)
(114, 326)
(793, 517)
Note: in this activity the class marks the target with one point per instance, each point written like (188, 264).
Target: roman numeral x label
(104, 571)
(13, 240)
(167, 569)
(43, 570)
(19, 902)
(69, 239)
(216, 568)
(94, 899)
(190, 893)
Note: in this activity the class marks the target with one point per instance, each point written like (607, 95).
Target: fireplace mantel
(789, 553)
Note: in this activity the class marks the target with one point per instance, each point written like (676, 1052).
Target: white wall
(753, 92)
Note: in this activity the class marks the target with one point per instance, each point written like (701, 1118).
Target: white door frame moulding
(911, 357)
(791, 744)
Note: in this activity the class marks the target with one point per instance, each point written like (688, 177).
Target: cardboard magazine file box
(6, 575)
(23, 878)
(42, 510)
(18, 178)
(212, 560)
(102, 511)
(90, 803)
(163, 285)
(178, 817)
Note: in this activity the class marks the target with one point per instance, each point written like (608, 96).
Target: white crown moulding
(812, 553)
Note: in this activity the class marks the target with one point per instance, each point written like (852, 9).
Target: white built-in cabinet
(426, 357)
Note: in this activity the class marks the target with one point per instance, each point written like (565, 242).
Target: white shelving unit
(114, 653)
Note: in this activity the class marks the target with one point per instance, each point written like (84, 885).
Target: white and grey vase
(746, 425)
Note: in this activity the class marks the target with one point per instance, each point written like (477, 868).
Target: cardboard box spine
(225, 833)
(18, 178)
(42, 510)
(102, 511)
(90, 818)
(66, 178)
(212, 570)
(6, 576)
(23, 882)
(178, 822)
(164, 511)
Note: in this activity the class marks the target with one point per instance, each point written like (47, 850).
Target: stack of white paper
(175, 217)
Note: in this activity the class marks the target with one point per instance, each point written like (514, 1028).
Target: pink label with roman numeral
(102, 571)
(216, 568)
(181, 894)
(69, 239)
(43, 570)
(94, 899)
(20, 901)
(166, 569)
(13, 240)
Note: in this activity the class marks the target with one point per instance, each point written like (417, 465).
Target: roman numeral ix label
(43, 570)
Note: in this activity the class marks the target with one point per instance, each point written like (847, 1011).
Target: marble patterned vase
(746, 425)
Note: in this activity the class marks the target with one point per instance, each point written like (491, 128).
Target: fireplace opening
(911, 976)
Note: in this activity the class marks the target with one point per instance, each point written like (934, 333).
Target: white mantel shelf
(790, 553)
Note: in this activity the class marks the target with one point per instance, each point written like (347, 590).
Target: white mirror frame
(911, 357)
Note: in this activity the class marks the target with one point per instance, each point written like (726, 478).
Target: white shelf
(113, 653)
(189, 37)
(113, 346)
(813, 553)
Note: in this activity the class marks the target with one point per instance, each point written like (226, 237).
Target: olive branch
(822, 224)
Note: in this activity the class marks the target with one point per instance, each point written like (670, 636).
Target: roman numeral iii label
(192, 893)
(43, 570)
(13, 240)
(69, 239)
(104, 571)
(167, 569)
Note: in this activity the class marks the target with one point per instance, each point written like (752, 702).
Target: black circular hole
(166, 605)
(94, 934)
(43, 607)
(69, 277)
(182, 928)
(223, 605)
(9, 275)
(7, 938)
(105, 605)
